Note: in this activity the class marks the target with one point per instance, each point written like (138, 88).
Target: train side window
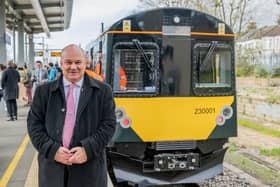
(213, 68)
(132, 73)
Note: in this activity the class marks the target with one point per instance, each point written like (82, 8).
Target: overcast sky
(87, 16)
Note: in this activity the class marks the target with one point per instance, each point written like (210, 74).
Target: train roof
(153, 20)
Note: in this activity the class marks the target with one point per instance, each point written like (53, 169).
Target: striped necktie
(70, 117)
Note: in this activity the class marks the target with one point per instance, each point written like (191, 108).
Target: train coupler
(176, 162)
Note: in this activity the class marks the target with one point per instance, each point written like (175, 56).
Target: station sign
(56, 53)
(40, 53)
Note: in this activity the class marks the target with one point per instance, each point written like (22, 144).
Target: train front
(172, 72)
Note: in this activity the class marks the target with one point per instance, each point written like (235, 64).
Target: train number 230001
(204, 111)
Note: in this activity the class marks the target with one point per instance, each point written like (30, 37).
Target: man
(10, 80)
(70, 122)
(39, 76)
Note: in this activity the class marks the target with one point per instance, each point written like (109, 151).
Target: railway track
(233, 177)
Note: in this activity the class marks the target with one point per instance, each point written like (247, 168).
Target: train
(177, 108)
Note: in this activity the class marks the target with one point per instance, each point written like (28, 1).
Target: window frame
(214, 90)
(131, 46)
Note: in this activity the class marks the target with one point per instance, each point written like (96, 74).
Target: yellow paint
(10, 170)
(161, 119)
(126, 25)
(160, 33)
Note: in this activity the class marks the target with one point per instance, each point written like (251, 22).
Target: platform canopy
(39, 16)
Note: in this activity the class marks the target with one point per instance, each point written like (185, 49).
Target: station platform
(18, 158)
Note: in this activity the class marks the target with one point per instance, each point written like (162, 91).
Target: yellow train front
(172, 72)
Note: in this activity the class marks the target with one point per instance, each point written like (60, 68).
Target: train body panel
(175, 118)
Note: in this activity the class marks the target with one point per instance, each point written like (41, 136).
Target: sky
(87, 16)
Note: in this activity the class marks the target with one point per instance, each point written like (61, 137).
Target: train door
(176, 65)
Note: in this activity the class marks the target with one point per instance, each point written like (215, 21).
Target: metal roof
(39, 15)
(266, 31)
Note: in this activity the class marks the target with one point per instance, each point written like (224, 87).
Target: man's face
(38, 65)
(73, 63)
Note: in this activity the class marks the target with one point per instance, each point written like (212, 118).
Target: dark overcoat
(10, 80)
(95, 125)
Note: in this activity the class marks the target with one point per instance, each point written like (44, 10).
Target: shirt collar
(67, 83)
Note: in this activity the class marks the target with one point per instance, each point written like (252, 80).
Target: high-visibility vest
(94, 75)
(97, 68)
(123, 79)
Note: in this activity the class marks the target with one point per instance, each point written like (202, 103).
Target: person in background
(39, 75)
(59, 71)
(2, 68)
(15, 66)
(52, 72)
(98, 74)
(98, 64)
(47, 68)
(27, 83)
(9, 83)
(70, 122)
(123, 79)
(89, 69)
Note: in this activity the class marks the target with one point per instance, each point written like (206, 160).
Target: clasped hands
(76, 155)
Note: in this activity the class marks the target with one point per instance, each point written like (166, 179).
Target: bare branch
(243, 5)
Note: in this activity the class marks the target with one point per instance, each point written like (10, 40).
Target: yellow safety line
(10, 170)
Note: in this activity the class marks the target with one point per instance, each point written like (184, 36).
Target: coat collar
(88, 82)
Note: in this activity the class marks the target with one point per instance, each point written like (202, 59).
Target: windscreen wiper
(209, 54)
(140, 48)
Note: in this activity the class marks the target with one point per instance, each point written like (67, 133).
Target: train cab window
(213, 69)
(135, 71)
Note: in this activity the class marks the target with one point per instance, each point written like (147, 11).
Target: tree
(230, 11)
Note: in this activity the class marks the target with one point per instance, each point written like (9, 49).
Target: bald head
(72, 48)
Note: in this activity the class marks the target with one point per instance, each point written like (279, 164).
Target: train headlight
(125, 123)
(220, 120)
(176, 19)
(227, 112)
(120, 114)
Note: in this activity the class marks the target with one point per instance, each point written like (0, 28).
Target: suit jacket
(95, 125)
(9, 83)
(44, 75)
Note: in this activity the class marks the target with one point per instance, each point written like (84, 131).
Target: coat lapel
(86, 94)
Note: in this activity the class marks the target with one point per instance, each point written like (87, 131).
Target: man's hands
(63, 155)
(76, 155)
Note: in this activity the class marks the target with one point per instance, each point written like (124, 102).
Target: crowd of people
(11, 76)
